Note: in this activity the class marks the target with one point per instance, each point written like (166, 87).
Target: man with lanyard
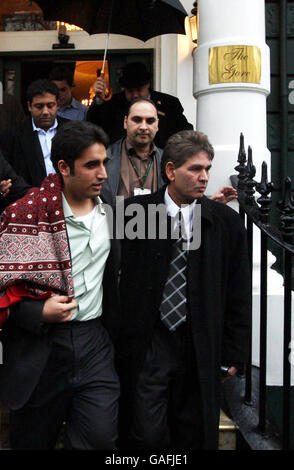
(133, 165)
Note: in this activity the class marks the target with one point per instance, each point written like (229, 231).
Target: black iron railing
(256, 211)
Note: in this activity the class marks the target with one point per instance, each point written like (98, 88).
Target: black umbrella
(141, 19)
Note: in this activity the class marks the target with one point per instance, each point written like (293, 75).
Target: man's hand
(225, 194)
(99, 86)
(58, 309)
(231, 372)
(5, 186)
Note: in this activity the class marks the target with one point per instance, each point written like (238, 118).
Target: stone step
(227, 433)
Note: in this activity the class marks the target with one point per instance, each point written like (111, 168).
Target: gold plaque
(234, 64)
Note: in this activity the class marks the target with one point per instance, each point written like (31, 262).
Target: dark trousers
(79, 386)
(166, 403)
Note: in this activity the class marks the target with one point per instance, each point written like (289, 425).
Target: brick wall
(8, 7)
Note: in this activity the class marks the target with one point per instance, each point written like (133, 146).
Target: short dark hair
(138, 100)
(41, 86)
(62, 73)
(183, 145)
(72, 139)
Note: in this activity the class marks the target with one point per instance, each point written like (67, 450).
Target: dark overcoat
(218, 293)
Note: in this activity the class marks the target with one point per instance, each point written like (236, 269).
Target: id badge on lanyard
(139, 191)
(142, 180)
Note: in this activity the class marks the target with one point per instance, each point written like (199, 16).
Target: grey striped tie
(173, 308)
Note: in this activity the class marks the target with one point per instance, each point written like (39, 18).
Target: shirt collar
(35, 128)
(68, 213)
(72, 104)
(172, 208)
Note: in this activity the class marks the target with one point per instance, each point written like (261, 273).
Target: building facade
(253, 41)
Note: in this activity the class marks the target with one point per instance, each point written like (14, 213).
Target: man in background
(28, 147)
(134, 161)
(68, 106)
(133, 165)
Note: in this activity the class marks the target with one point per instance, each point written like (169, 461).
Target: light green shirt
(89, 249)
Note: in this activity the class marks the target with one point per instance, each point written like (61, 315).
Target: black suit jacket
(218, 294)
(27, 342)
(22, 149)
(19, 187)
(110, 116)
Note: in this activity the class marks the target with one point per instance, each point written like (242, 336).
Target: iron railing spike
(264, 188)
(249, 182)
(242, 153)
(286, 206)
(241, 167)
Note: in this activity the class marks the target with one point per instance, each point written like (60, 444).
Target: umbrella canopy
(141, 19)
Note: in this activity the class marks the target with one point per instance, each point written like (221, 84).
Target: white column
(226, 109)
(174, 66)
(223, 111)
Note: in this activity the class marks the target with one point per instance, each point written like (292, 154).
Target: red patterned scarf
(34, 251)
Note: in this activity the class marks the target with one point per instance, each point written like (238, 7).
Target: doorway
(27, 67)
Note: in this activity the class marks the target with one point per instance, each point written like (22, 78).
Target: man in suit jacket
(57, 353)
(27, 147)
(184, 304)
(135, 81)
(133, 164)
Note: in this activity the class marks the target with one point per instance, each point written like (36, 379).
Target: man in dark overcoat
(170, 353)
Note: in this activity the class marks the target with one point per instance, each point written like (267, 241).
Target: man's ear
(170, 171)
(125, 122)
(29, 106)
(63, 168)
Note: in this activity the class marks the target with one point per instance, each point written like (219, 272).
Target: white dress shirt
(45, 139)
(187, 211)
